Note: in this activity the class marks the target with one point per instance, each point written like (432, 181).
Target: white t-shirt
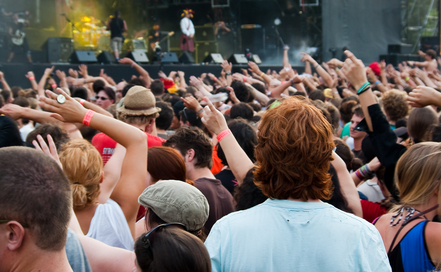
(187, 26)
(109, 225)
(25, 130)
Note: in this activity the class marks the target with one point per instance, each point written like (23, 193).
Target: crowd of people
(335, 169)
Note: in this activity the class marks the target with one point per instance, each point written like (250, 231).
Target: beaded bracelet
(88, 117)
(221, 135)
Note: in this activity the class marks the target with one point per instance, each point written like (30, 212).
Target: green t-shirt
(345, 131)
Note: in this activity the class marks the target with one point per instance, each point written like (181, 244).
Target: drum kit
(92, 34)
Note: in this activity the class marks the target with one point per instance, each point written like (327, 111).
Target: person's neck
(35, 259)
(161, 131)
(197, 173)
(357, 144)
(301, 200)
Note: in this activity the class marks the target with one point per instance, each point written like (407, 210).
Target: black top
(9, 133)
(116, 27)
(228, 180)
(385, 147)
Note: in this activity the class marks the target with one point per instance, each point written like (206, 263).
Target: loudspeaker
(140, 57)
(203, 49)
(395, 59)
(59, 49)
(256, 59)
(139, 45)
(399, 49)
(106, 57)
(214, 58)
(169, 57)
(83, 57)
(186, 57)
(204, 34)
(238, 59)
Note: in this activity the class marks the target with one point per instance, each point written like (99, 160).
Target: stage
(15, 72)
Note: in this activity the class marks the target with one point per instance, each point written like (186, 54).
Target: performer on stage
(154, 36)
(187, 29)
(19, 41)
(117, 27)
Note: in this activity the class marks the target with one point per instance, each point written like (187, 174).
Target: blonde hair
(83, 166)
(418, 173)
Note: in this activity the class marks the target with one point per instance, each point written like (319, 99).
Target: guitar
(18, 41)
(155, 45)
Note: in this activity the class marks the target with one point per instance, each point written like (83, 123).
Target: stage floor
(15, 72)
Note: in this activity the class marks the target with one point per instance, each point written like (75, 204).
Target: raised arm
(237, 159)
(133, 171)
(228, 67)
(4, 82)
(347, 185)
(141, 71)
(42, 82)
(320, 70)
(30, 75)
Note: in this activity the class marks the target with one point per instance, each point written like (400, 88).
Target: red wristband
(221, 135)
(244, 79)
(54, 86)
(215, 78)
(88, 117)
(31, 78)
(82, 102)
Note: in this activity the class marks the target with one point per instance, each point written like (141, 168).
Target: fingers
(209, 104)
(52, 147)
(43, 145)
(350, 55)
(57, 116)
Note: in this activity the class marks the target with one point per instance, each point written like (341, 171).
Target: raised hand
(191, 103)
(306, 57)
(244, 71)
(73, 73)
(423, 96)
(227, 66)
(51, 151)
(354, 70)
(254, 67)
(161, 74)
(70, 111)
(13, 111)
(83, 70)
(181, 74)
(60, 74)
(238, 77)
(194, 81)
(213, 119)
(126, 61)
(30, 74)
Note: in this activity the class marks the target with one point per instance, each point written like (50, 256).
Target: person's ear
(102, 177)
(15, 233)
(189, 156)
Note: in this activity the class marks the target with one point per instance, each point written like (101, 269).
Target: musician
(117, 27)
(19, 40)
(154, 36)
(187, 28)
(224, 39)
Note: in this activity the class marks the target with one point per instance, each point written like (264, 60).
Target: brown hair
(294, 152)
(193, 138)
(346, 110)
(38, 195)
(59, 135)
(83, 166)
(172, 243)
(165, 163)
(395, 104)
(421, 123)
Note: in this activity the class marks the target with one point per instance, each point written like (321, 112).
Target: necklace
(400, 213)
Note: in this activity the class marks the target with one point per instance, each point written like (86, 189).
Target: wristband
(315, 67)
(221, 135)
(133, 63)
(261, 74)
(228, 74)
(88, 117)
(407, 79)
(378, 81)
(31, 78)
(359, 176)
(54, 86)
(363, 88)
(244, 79)
(215, 78)
(82, 102)
(200, 111)
(292, 82)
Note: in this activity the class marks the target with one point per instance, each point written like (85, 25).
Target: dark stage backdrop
(365, 26)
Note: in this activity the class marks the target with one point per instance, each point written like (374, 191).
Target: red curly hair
(294, 152)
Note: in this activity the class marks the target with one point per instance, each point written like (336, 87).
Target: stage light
(277, 21)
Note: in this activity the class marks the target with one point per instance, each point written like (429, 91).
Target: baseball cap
(176, 201)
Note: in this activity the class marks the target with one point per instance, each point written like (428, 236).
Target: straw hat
(139, 101)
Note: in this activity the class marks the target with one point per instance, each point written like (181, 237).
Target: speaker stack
(397, 53)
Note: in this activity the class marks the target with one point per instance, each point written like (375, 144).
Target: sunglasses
(4, 221)
(148, 238)
(101, 98)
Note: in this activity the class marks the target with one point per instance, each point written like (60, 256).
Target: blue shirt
(285, 235)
